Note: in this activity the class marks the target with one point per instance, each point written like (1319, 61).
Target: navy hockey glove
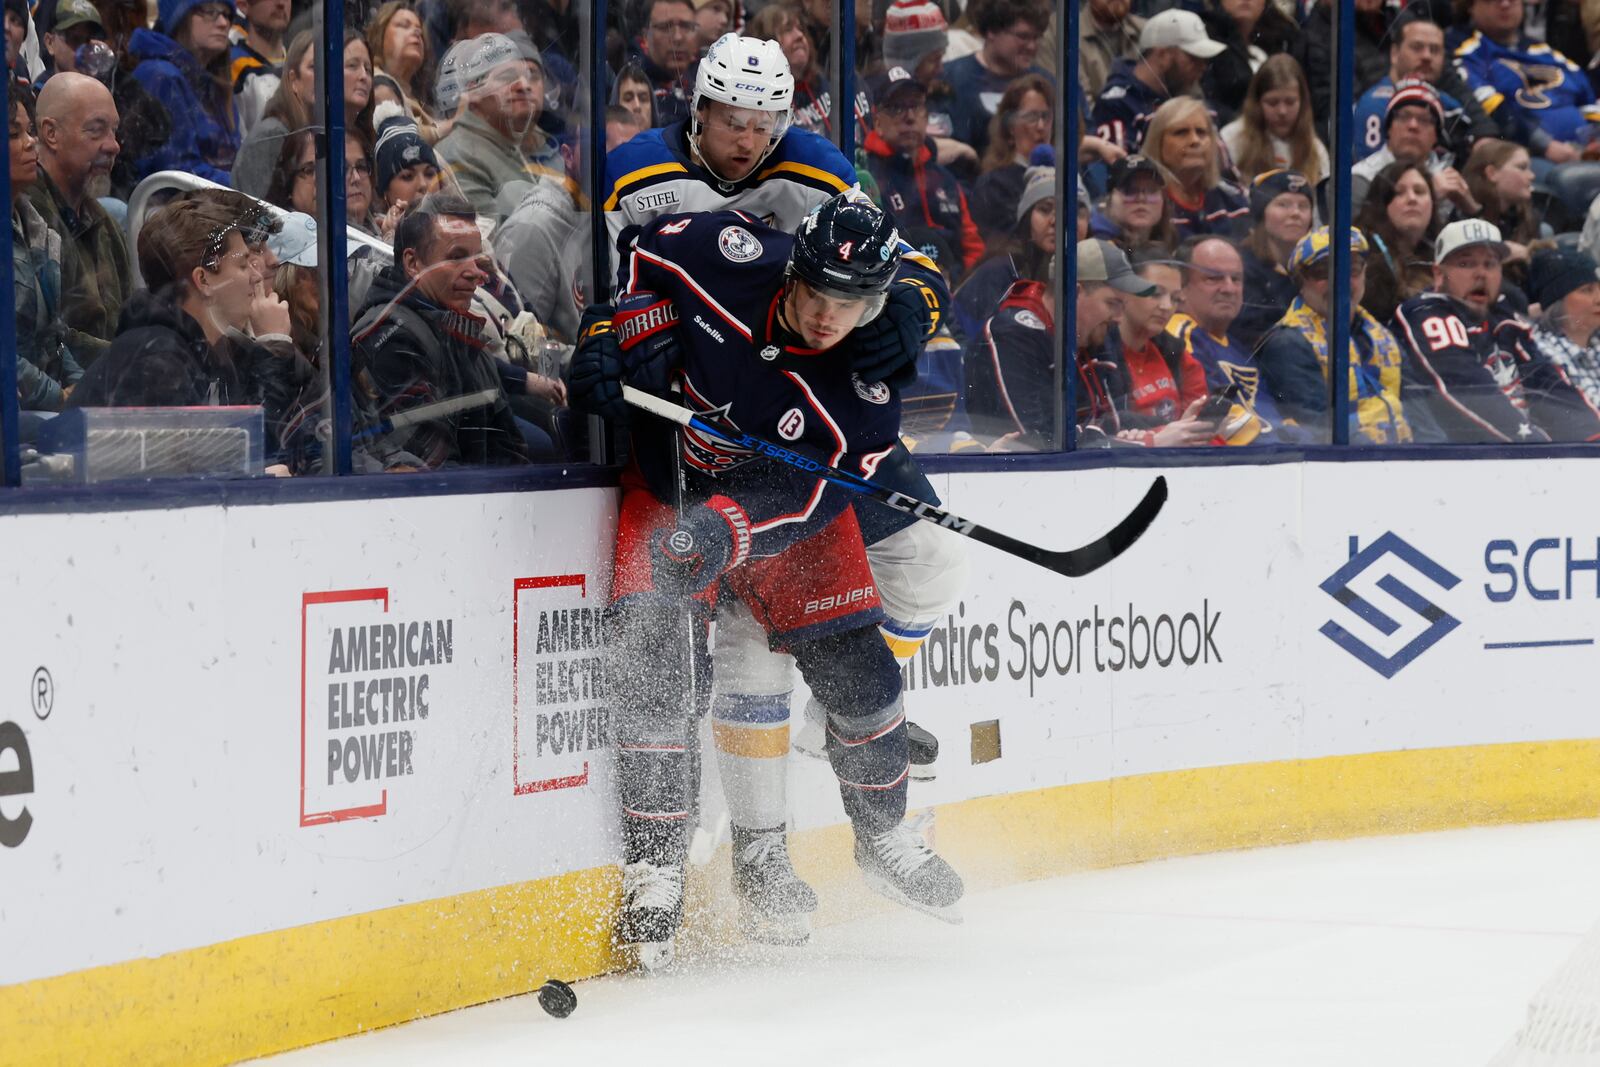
(595, 375)
(647, 330)
(886, 349)
(711, 539)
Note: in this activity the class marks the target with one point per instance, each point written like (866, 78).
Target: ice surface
(1415, 950)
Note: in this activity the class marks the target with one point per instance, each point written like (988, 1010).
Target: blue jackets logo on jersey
(738, 244)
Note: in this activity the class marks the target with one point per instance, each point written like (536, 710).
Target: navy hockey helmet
(847, 247)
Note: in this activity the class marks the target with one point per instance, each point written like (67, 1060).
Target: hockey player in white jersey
(737, 151)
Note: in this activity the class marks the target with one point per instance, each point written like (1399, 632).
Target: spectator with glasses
(1023, 121)
(72, 27)
(197, 335)
(185, 67)
(668, 44)
(487, 153)
(1011, 30)
(924, 197)
(1136, 213)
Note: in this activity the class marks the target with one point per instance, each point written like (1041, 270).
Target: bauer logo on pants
(1379, 628)
(373, 688)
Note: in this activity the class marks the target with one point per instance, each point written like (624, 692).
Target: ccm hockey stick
(1074, 562)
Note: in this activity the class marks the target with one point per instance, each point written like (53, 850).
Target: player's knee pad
(919, 572)
(853, 674)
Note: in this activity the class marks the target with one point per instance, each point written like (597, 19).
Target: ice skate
(652, 908)
(922, 746)
(775, 905)
(898, 864)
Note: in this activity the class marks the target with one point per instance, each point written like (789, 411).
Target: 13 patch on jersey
(738, 244)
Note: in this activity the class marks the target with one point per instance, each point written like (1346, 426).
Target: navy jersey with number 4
(723, 275)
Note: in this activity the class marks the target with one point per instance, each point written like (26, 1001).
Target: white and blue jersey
(655, 174)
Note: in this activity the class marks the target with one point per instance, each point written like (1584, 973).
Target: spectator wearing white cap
(1173, 52)
(1413, 131)
(486, 151)
(1487, 377)
(1011, 30)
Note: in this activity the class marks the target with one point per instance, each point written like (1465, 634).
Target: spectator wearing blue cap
(1294, 356)
(1566, 284)
(185, 67)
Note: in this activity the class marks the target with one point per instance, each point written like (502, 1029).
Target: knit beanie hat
(912, 29)
(1039, 184)
(1558, 271)
(1414, 92)
(1271, 184)
(171, 13)
(399, 146)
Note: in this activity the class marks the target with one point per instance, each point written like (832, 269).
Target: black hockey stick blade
(1077, 562)
(1074, 563)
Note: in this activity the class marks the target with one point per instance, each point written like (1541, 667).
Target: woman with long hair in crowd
(1136, 212)
(287, 112)
(399, 47)
(1023, 121)
(185, 67)
(1281, 209)
(813, 105)
(1275, 131)
(293, 183)
(1401, 220)
(1499, 175)
(1182, 139)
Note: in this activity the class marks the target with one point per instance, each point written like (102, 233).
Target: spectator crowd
(1202, 184)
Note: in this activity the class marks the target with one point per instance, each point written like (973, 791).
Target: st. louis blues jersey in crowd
(654, 175)
(1490, 380)
(1538, 87)
(1231, 369)
(721, 274)
(1374, 103)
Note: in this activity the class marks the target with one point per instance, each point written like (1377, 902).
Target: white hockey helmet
(744, 72)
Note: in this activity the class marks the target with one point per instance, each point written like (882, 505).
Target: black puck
(557, 998)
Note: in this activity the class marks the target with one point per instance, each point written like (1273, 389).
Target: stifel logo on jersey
(835, 601)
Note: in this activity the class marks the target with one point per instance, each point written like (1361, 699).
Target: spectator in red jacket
(924, 197)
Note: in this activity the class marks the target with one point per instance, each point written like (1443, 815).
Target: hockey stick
(437, 409)
(1074, 562)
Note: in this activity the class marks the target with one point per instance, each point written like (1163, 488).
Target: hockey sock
(870, 759)
(752, 741)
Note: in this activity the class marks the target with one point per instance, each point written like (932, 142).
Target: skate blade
(950, 913)
(791, 930)
(653, 956)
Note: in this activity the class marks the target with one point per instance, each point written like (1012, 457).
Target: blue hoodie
(202, 141)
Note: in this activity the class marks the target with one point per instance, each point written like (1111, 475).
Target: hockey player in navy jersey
(747, 321)
(738, 150)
